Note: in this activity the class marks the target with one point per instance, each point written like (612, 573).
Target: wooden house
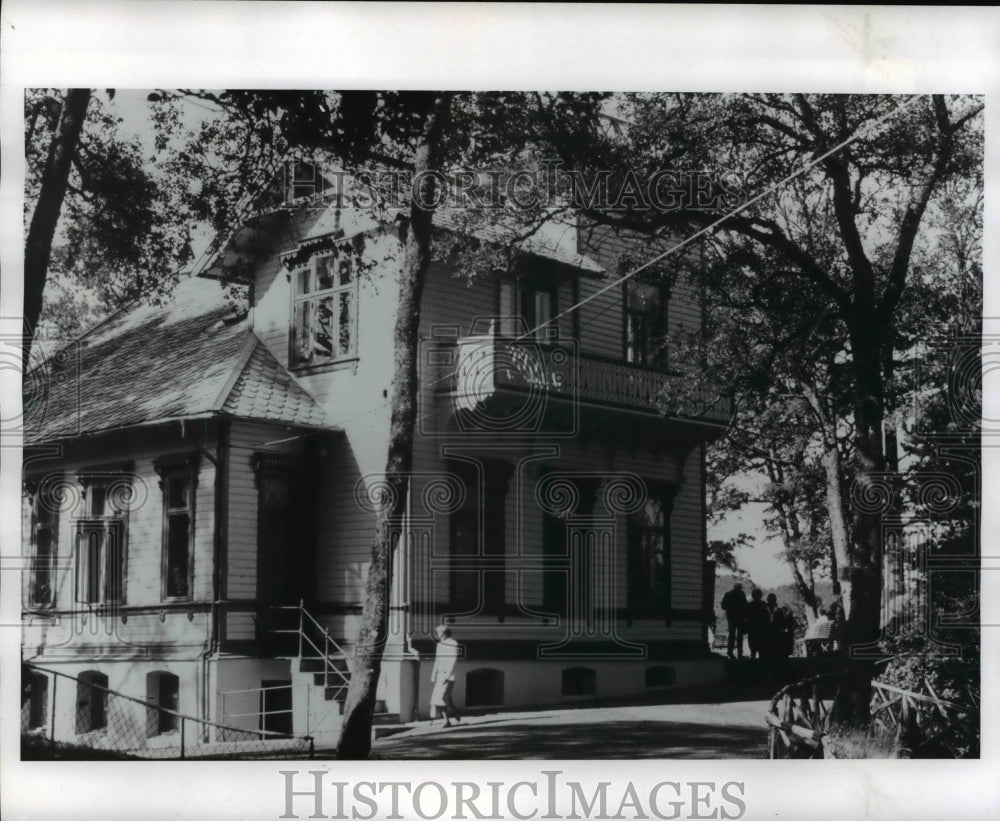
(201, 480)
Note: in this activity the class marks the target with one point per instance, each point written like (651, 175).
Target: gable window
(178, 478)
(324, 310)
(100, 537)
(649, 556)
(43, 533)
(645, 324)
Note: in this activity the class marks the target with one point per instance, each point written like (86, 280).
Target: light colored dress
(443, 674)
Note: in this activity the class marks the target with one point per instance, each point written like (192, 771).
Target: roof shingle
(153, 363)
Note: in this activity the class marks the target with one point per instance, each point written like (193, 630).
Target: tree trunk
(55, 176)
(874, 496)
(355, 737)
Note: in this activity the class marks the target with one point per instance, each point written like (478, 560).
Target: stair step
(335, 692)
(380, 719)
(318, 665)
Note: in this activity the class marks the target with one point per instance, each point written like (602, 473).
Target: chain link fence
(65, 717)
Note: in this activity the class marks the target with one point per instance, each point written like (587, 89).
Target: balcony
(489, 365)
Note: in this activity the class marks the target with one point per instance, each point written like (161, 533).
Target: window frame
(161, 718)
(315, 296)
(486, 482)
(170, 469)
(654, 353)
(41, 500)
(649, 605)
(111, 522)
(524, 292)
(92, 697)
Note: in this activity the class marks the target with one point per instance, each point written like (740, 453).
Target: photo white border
(480, 46)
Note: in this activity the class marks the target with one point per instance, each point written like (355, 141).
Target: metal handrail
(305, 617)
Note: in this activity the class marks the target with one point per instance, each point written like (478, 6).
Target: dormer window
(324, 310)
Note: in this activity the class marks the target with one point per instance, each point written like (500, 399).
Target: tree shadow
(616, 739)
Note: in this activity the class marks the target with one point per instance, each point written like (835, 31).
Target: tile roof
(188, 358)
(265, 390)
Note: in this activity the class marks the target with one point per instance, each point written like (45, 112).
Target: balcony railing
(488, 364)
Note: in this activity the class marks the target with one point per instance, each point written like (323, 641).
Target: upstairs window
(528, 305)
(324, 310)
(100, 537)
(645, 324)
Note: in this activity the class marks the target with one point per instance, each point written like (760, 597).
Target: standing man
(757, 621)
(734, 603)
(443, 675)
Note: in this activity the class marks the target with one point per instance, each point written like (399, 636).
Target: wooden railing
(487, 363)
(921, 725)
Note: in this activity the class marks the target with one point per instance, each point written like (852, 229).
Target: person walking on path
(734, 603)
(443, 675)
(757, 621)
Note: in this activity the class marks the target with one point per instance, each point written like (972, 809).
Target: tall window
(324, 312)
(559, 579)
(44, 521)
(478, 540)
(645, 324)
(100, 538)
(178, 477)
(649, 556)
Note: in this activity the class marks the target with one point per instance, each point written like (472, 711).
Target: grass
(851, 742)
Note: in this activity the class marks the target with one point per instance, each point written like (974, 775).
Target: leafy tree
(825, 257)
(103, 214)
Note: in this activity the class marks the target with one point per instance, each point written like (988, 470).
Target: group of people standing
(768, 628)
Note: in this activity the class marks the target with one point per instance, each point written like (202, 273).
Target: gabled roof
(307, 223)
(190, 358)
